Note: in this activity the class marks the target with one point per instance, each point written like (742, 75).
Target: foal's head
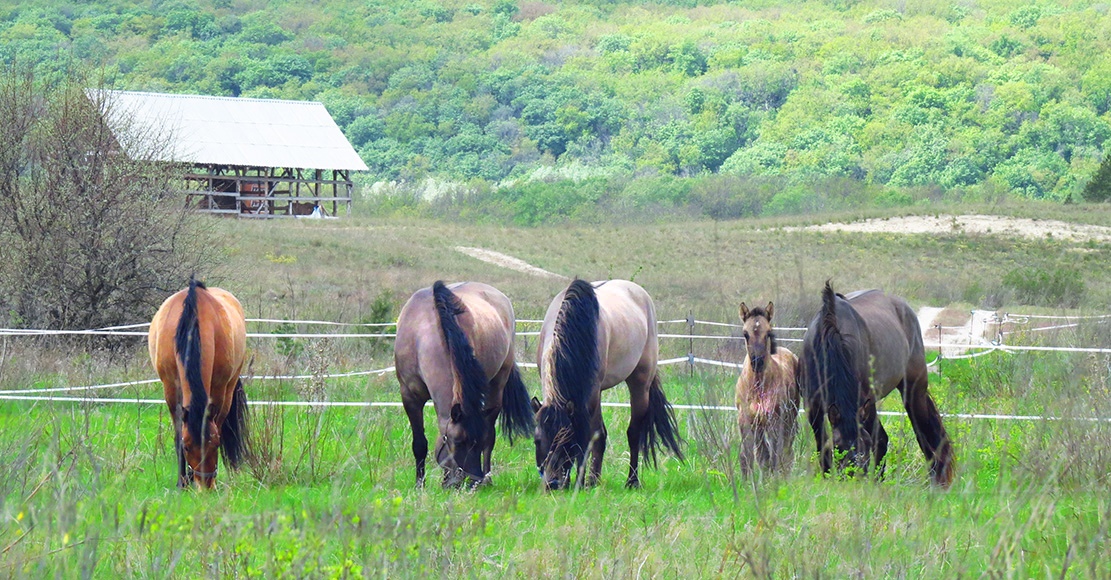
(758, 333)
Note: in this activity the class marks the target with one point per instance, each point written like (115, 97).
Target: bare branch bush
(93, 230)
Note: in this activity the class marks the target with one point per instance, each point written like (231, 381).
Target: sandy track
(971, 224)
(506, 261)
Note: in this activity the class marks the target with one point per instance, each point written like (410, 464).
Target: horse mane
(471, 378)
(576, 363)
(187, 342)
(831, 367)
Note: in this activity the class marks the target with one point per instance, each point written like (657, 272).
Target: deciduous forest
(798, 102)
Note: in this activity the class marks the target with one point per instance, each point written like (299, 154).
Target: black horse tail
(187, 341)
(516, 412)
(234, 434)
(468, 371)
(831, 369)
(661, 429)
(576, 354)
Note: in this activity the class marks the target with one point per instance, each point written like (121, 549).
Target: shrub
(88, 237)
(1060, 287)
(1099, 188)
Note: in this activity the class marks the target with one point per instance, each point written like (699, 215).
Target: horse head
(759, 337)
(459, 450)
(558, 447)
(200, 458)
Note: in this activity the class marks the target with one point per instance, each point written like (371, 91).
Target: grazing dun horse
(595, 336)
(858, 349)
(767, 395)
(455, 346)
(197, 343)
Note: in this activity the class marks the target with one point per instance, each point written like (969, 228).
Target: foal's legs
(414, 409)
(926, 420)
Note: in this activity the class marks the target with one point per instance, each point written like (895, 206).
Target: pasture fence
(971, 349)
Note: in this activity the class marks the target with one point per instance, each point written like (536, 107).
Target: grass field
(87, 490)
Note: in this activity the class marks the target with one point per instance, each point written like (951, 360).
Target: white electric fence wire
(990, 416)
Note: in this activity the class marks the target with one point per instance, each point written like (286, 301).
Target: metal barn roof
(231, 131)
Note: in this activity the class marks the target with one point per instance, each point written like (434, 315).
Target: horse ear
(456, 412)
(535, 405)
(744, 311)
(771, 307)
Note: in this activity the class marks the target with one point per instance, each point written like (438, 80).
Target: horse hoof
(632, 483)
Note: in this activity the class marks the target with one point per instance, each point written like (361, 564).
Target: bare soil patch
(971, 224)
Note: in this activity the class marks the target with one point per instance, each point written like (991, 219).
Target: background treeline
(801, 103)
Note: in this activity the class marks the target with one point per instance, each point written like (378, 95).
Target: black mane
(830, 368)
(576, 358)
(187, 342)
(472, 378)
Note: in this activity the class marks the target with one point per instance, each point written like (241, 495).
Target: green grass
(88, 490)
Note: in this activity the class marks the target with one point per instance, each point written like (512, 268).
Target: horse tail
(576, 353)
(516, 413)
(187, 341)
(472, 379)
(661, 430)
(832, 369)
(234, 434)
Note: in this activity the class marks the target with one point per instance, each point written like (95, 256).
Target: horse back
(419, 348)
(223, 338)
(627, 330)
(895, 337)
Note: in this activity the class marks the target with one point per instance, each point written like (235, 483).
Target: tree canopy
(937, 94)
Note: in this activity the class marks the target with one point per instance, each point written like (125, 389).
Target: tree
(1099, 188)
(89, 236)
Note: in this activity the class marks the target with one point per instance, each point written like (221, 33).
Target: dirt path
(505, 261)
(973, 224)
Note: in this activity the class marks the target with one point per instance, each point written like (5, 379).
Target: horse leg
(414, 409)
(597, 450)
(881, 449)
(869, 437)
(747, 454)
(931, 435)
(816, 416)
(491, 438)
(638, 384)
(183, 481)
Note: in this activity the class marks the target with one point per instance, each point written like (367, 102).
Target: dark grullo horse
(859, 348)
(767, 395)
(455, 346)
(595, 336)
(197, 342)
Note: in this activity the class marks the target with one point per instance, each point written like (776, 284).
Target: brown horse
(197, 343)
(455, 346)
(858, 349)
(593, 337)
(767, 395)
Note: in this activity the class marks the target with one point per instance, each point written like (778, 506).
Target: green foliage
(1057, 287)
(290, 348)
(1098, 189)
(463, 90)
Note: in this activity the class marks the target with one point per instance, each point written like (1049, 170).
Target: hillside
(968, 96)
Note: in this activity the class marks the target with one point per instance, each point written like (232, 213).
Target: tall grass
(88, 490)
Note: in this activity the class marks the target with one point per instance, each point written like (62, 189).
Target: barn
(252, 158)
